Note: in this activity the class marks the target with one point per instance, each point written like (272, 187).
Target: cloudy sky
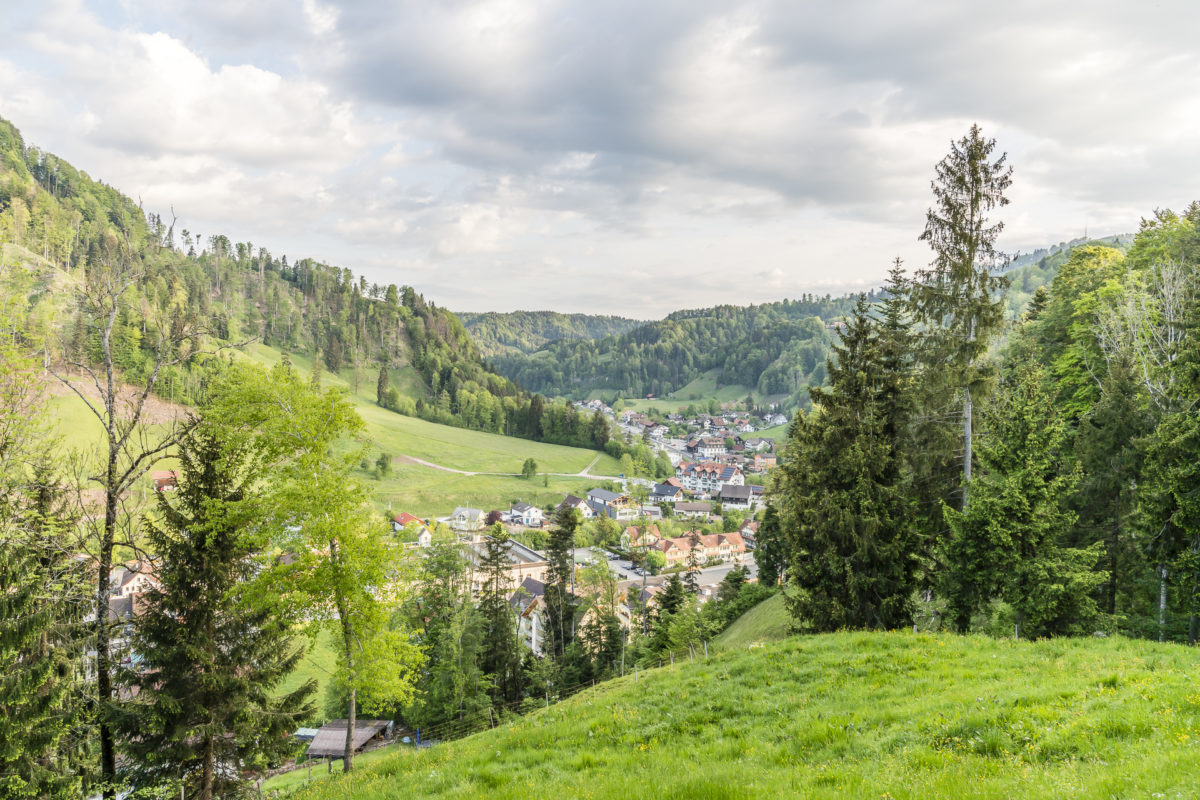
(611, 156)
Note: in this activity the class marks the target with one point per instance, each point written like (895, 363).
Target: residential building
(525, 514)
(707, 478)
(577, 503)
(695, 510)
(524, 562)
(165, 480)
(529, 606)
(666, 493)
(738, 497)
(640, 538)
(714, 547)
(602, 501)
(466, 519)
(763, 462)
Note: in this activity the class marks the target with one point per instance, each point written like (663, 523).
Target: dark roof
(531, 587)
(522, 507)
(685, 507)
(331, 738)
(731, 492)
(571, 500)
(604, 495)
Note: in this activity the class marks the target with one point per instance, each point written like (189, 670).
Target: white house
(527, 515)
(467, 519)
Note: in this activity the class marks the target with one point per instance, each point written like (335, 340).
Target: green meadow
(854, 715)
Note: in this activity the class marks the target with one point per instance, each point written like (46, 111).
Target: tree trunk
(348, 645)
(1162, 603)
(208, 771)
(968, 410)
(108, 753)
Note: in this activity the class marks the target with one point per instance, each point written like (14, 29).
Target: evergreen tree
(203, 707)
(1009, 541)
(691, 576)
(960, 296)
(770, 549)
(560, 600)
(381, 386)
(842, 491)
(42, 597)
(500, 656)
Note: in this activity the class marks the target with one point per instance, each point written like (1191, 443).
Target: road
(714, 574)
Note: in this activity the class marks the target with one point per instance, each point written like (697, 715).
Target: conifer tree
(1009, 541)
(203, 707)
(960, 296)
(500, 656)
(770, 548)
(842, 491)
(560, 600)
(381, 386)
(691, 576)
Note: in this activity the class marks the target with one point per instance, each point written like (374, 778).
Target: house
(707, 478)
(758, 445)
(666, 493)
(524, 562)
(657, 430)
(604, 502)
(529, 606)
(775, 420)
(749, 532)
(713, 547)
(330, 739)
(577, 503)
(165, 480)
(738, 497)
(467, 519)
(133, 579)
(701, 510)
(763, 461)
(527, 515)
(403, 520)
(639, 538)
(705, 447)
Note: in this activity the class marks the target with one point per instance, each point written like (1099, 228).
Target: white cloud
(550, 153)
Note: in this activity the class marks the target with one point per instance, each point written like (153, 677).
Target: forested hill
(66, 229)
(497, 333)
(774, 348)
(1029, 271)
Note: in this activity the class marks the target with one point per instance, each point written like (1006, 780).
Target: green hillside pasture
(776, 434)
(474, 451)
(699, 393)
(446, 446)
(766, 622)
(428, 492)
(894, 715)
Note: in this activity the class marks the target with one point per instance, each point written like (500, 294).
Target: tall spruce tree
(1009, 543)
(770, 549)
(691, 577)
(560, 574)
(842, 490)
(500, 656)
(203, 707)
(960, 297)
(381, 385)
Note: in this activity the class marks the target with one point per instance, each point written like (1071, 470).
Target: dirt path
(583, 473)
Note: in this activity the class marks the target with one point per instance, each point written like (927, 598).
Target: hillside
(856, 715)
(770, 349)
(498, 333)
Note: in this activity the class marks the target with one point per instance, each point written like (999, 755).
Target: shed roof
(331, 737)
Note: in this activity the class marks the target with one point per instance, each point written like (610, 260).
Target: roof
(731, 492)
(685, 507)
(404, 519)
(469, 512)
(531, 587)
(604, 495)
(571, 501)
(331, 738)
(522, 507)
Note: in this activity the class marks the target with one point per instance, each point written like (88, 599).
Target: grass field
(457, 448)
(766, 622)
(318, 663)
(857, 715)
(429, 492)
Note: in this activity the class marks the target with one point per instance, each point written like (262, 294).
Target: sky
(615, 157)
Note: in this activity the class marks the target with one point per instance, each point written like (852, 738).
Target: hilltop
(870, 715)
(503, 333)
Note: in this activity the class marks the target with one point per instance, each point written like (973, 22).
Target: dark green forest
(499, 333)
(774, 348)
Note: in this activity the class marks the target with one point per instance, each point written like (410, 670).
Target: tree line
(1035, 476)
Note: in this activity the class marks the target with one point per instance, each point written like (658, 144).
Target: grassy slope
(847, 715)
(698, 393)
(768, 621)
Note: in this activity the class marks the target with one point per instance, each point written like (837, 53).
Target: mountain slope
(498, 333)
(774, 348)
(857, 715)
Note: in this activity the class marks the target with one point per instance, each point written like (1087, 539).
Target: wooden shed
(330, 741)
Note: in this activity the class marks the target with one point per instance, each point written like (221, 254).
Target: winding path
(583, 473)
